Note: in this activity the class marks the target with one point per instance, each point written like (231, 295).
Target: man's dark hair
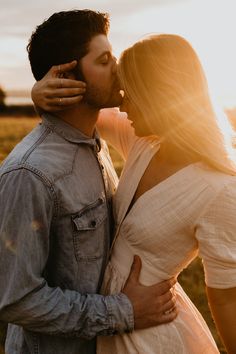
(63, 37)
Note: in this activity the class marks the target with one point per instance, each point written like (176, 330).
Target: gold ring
(60, 101)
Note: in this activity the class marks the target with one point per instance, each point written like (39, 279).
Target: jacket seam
(37, 143)
(46, 181)
(68, 172)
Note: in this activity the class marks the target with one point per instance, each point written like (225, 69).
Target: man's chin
(111, 105)
(114, 101)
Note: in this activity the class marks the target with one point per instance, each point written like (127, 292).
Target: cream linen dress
(191, 212)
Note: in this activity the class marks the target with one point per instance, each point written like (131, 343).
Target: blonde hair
(164, 81)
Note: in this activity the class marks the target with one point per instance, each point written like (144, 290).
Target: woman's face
(135, 117)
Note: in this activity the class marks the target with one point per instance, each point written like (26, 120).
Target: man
(55, 193)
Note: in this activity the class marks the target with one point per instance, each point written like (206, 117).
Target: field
(12, 130)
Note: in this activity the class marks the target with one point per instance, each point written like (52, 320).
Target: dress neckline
(138, 160)
(158, 186)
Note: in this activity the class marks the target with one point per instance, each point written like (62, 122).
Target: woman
(176, 197)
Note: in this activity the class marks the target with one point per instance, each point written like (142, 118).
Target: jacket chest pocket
(89, 231)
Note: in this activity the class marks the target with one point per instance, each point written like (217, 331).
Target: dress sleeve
(216, 235)
(116, 129)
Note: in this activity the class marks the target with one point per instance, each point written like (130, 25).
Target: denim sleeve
(27, 207)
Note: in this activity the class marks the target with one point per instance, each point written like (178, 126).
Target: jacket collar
(70, 133)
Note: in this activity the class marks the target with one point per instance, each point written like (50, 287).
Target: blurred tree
(2, 98)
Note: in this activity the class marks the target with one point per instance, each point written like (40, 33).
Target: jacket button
(93, 223)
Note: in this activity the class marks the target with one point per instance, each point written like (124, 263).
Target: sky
(209, 25)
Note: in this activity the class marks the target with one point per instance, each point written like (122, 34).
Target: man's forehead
(98, 45)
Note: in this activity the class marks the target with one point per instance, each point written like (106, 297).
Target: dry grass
(12, 130)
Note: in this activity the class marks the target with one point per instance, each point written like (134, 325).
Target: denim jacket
(55, 196)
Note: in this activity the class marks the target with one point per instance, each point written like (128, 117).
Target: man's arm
(27, 212)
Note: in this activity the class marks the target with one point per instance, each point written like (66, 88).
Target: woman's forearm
(223, 307)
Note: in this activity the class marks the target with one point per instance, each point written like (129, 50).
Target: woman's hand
(54, 92)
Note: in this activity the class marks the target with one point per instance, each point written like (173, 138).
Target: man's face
(99, 69)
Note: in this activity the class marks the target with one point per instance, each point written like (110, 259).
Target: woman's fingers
(63, 68)
(59, 102)
(67, 92)
(58, 70)
(53, 92)
(61, 83)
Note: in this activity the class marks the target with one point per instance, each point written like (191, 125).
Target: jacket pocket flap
(90, 217)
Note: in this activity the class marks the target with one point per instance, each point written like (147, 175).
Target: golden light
(208, 25)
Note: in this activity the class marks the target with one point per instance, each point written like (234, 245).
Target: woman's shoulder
(222, 186)
(216, 179)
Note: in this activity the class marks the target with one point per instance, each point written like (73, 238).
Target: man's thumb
(135, 269)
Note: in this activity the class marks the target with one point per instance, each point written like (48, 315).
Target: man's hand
(153, 305)
(54, 92)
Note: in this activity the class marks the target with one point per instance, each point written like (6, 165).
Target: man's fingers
(168, 316)
(167, 296)
(135, 270)
(164, 286)
(169, 305)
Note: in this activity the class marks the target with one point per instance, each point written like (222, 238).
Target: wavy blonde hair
(165, 82)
